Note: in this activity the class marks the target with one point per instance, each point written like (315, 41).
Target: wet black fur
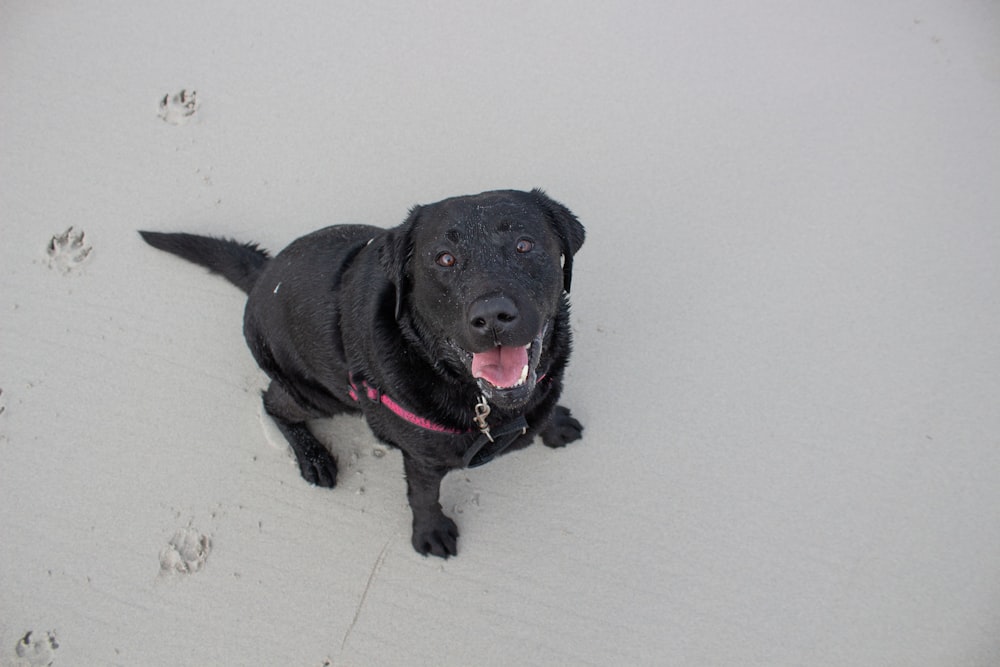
(361, 301)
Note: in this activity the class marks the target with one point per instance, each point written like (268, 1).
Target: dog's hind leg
(316, 464)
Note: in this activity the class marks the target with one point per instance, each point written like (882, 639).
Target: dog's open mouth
(507, 374)
(504, 367)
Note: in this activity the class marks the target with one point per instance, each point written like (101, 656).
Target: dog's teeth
(524, 376)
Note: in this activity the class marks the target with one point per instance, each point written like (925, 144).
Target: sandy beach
(786, 317)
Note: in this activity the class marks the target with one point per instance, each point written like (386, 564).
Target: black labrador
(450, 333)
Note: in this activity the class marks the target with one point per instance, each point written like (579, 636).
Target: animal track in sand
(178, 108)
(68, 250)
(469, 501)
(186, 552)
(36, 649)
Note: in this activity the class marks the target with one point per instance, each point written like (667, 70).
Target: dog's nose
(493, 315)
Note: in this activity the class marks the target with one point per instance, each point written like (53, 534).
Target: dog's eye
(446, 259)
(524, 245)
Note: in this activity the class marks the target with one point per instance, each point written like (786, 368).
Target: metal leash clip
(482, 412)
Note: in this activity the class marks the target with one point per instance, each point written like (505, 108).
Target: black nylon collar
(494, 442)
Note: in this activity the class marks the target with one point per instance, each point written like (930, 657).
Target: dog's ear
(394, 255)
(567, 228)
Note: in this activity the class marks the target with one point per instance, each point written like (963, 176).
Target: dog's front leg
(433, 532)
(562, 428)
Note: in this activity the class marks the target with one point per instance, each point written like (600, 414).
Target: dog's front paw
(563, 428)
(437, 536)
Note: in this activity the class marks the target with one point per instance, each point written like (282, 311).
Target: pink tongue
(501, 366)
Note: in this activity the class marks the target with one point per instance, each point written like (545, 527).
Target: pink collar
(490, 443)
(377, 396)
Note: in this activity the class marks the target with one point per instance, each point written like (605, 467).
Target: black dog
(449, 332)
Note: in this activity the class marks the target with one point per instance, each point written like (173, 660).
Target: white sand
(787, 316)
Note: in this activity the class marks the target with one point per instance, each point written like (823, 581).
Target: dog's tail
(239, 263)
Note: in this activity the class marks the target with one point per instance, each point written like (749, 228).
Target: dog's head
(483, 278)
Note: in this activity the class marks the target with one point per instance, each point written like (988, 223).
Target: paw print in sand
(186, 552)
(178, 108)
(68, 250)
(36, 649)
